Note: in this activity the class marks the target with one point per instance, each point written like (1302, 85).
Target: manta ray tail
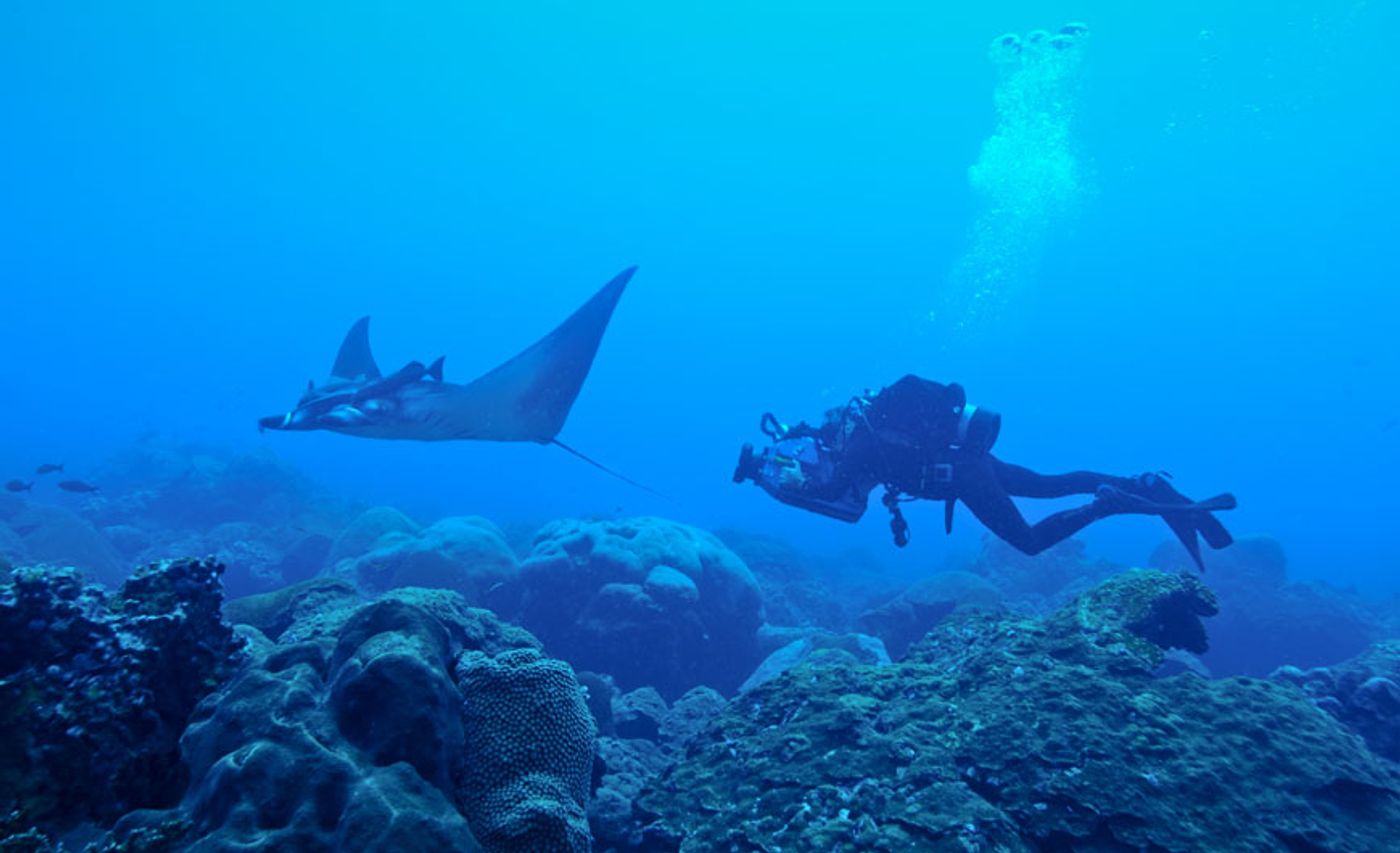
(606, 470)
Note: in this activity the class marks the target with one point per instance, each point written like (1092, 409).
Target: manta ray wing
(528, 398)
(354, 362)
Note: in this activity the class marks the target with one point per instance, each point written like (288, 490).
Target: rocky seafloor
(215, 655)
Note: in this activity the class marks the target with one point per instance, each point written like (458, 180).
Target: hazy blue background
(197, 199)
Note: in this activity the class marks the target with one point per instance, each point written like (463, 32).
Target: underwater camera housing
(978, 430)
(797, 472)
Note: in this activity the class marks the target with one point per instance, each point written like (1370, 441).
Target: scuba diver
(921, 440)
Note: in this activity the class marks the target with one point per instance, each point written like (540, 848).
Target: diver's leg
(1026, 483)
(979, 487)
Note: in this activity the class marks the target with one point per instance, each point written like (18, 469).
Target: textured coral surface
(1013, 733)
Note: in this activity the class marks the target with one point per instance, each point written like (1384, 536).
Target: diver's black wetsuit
(921, 439)
(986, 486)
(911, 427)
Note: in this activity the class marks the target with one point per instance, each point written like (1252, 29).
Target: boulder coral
(410, 722)
(1362, 693)
(468, 555)
(361, 534)
(647, 601)
(1004, 732)
(56, 536)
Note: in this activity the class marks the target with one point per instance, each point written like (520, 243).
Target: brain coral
(526, 768)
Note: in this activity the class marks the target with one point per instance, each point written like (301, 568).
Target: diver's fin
(1185, 531)
(1124, 501)
(1213, 531)
(606, 470)
(354, 360)
(435, 369)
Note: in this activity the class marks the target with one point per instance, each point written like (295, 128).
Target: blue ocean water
(1173, 251)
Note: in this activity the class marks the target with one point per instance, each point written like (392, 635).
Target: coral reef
(96, 688)
(808, 590)
(273, 757)
(273, 613)
(362, 700)
(56, 536)
(1042, 582)
(1307, 624)
(159, 484)
(912, 613)
(649, 738)
(12, 551)
(526, 768)
(1009, 732)
(361, 534)
(819, 648)
(647, 601)
(384, 726)
(1362, 693)
(259, 516)
(468, 555)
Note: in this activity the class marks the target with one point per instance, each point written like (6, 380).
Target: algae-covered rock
(1002, 732)
(1136, 616)
(96, 687)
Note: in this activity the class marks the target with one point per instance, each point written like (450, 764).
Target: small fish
(19, 486)
(1390, 424)
(49, 468)
(77, 486)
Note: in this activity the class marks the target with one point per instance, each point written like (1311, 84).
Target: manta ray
(527, 398)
